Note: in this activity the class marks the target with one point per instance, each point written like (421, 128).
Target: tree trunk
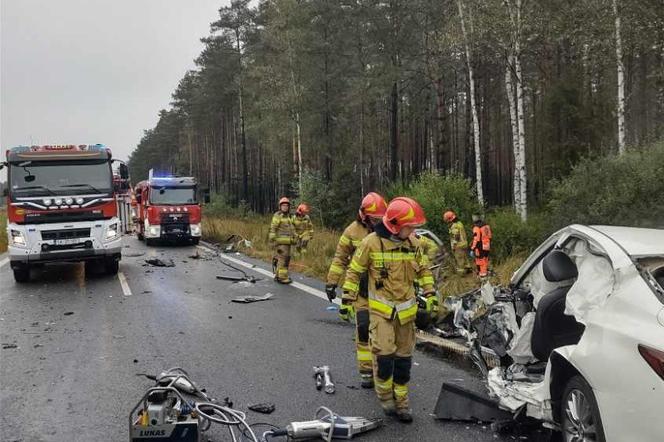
(523, 184)
(620, 108)
(509, 88)
(394, 137)
(473, 108)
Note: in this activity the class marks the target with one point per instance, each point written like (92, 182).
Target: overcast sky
(94, 71)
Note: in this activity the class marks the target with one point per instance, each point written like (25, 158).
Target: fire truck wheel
(139, 235)
(22, 274)
(150, 242)
(111, 266)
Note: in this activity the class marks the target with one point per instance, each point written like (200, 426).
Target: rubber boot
(367, 380)
(388, 408)
(404, 415)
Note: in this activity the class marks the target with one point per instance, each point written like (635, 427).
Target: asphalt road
(72, 345)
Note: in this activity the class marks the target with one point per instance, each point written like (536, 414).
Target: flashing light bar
(60, 147)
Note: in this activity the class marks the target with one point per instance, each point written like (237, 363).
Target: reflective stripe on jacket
(282, 230)
(304, 228)
(393, 268)
(458, 239)
(349, 241)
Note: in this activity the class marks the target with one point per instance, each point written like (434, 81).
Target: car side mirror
(206, 196)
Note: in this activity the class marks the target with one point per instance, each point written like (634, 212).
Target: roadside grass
(3, 230)
(316, 261)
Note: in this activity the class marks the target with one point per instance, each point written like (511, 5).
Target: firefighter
(282, 236)
(394, 259)
(304, 228)
(481, 246)
(458, 242)
(371, 212)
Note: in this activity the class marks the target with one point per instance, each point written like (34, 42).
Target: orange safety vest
(481, 238)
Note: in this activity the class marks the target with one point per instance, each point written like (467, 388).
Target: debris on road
(68, 313)
(265, 408)
(9, 346)
(323, 379)
(156, 262)
(332, 308)
(133, 254)
(247, 278)
(251, 298)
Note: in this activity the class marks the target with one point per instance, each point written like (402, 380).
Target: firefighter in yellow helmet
(394, 259)
(282, 236)
(371, 212)
(458, 242)
(304, 228)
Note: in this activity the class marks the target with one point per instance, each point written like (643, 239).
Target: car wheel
(580, 419)
(22, 274)
(195, 241)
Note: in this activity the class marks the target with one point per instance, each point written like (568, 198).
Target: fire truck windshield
(173, 195)
(41, 178)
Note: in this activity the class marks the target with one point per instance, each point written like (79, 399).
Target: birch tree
(514, 8)
(620, 105)
(473, 106)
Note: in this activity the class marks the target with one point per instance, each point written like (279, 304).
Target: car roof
(636, 241)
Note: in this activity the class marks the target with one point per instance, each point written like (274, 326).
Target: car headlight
(112, 231)
(79, 201)
(154, 231)
(195, 229)
(69, 201)
(47, 201)
(17, 238)
(58, 201)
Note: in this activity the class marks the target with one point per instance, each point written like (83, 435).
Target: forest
(340, 97)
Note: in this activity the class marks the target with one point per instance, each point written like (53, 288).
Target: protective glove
(432, 305)
(347, 311)
(331, 291)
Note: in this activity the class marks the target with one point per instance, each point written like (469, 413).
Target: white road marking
(123, 283)
(297, 285)
(4, 261)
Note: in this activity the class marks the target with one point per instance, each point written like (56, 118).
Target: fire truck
(62, 207)
(168, 208)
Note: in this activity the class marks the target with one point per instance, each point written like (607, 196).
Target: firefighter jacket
(481, 239)
(349, 241)
(429, 247)
(392, 266)
(458, 239)
(304, 228)
(282, 230)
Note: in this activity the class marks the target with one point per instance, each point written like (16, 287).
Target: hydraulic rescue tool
(323, 379)
(328, 427)
(176, 410)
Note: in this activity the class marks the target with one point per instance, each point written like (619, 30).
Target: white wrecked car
(580, 333)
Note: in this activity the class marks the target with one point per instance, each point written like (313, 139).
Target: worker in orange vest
(481, 245)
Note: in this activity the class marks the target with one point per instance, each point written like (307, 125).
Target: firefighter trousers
(363, 350)
(461, 260)
(482, 263)
(281, 261)
(392, 345)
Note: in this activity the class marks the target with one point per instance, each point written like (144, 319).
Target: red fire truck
(62, 207)
(168, 208)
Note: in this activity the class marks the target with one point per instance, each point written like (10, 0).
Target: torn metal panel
(458, 403)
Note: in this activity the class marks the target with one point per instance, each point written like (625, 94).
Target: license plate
(67, 242)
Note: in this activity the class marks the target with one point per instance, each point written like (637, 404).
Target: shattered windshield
(42, 178)
(173, 195)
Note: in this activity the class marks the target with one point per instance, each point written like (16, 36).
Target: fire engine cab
(62, 207)
(167, 208)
